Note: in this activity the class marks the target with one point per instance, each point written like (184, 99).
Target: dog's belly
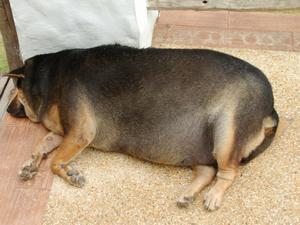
(170, 156)
(169, 148)
(176, 137)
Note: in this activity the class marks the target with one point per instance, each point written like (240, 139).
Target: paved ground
(256, 30)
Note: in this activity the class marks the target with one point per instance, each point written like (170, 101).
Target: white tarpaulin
(49, 26)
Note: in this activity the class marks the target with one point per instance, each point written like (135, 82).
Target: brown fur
(51, 120)
(73, 143)
(224, 152)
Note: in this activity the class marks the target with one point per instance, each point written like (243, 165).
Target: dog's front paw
(213, 199)
(28, 170)
(75, 178)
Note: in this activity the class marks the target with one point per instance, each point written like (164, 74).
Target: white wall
(45, 26)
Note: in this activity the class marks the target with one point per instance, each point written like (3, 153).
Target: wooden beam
(9, 35)
(239, 5)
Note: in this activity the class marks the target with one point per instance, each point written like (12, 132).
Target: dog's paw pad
(28, 170)
(185, 201)
(75, 178)
(213, 199)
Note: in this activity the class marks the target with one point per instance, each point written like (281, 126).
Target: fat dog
(195, 108)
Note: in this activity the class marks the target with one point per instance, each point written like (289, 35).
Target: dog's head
(26, 98)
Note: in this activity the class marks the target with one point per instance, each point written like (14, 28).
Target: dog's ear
(17, 73)
(13, 75)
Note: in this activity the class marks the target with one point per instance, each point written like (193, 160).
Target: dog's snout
(16, 109)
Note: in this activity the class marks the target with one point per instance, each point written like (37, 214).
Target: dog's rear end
(270, 125)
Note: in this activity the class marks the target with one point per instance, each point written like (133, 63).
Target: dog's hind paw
(28, 170)
(184, 202)
(213, 199)
(75, 178)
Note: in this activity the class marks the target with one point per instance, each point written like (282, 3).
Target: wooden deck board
(21, 202)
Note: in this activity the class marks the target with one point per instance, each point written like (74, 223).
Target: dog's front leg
(71, 146)
(48, 144)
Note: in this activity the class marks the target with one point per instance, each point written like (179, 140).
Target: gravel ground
(123, 190)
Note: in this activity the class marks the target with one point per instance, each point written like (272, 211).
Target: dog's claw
(28, 170)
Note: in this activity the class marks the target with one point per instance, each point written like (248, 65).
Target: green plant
(3, 61)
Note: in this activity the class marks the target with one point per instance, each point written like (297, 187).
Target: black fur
(164, 104)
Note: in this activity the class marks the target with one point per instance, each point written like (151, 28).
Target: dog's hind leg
(214, 197)
(225, 154)
(203, 176)
(48, 144)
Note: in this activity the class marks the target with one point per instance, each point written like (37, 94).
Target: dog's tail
(273, 129)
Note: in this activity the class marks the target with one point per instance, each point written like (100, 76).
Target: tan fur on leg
(69, 148)
(72, 145)
(214, 197)
(203, 176)
(227, 162)
(48, 144)
(78, 137)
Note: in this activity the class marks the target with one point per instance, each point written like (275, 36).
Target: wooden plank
(22, 202)
(225, 4)
(9, 35)
(5, 98)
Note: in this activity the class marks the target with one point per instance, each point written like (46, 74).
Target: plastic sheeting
(50, 26)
